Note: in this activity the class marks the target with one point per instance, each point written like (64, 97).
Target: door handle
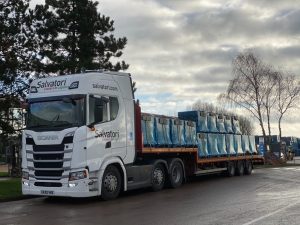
(108, 144)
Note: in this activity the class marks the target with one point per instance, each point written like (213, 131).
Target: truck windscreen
(56, 114)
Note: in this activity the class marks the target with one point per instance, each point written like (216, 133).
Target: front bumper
(81, 190)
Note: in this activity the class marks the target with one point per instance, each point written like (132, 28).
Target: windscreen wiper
(37, 126)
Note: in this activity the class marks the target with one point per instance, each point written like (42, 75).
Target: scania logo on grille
(47, 137)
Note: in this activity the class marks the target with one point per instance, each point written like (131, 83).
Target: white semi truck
(83, 138)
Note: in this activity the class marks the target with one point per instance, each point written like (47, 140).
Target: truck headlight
(25, 175)
(78, 175)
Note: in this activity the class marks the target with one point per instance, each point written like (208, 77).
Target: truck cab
(77, 126)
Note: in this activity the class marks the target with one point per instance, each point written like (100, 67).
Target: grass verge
(3, 174)
(10, 189)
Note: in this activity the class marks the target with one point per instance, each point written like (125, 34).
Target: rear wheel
(176, 175)
(158, 177)
(230, 169)
(240, 168)
(248, 167)
(111, 183)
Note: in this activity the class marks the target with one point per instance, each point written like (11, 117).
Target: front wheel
(111, 183)
(158, 177)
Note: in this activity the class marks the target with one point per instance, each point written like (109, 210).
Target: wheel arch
(118, 163)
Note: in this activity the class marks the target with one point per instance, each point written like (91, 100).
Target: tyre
(111, 183)
(230, 169)
(158, 177)
(176, 175)
(248, 167)
(240, 168)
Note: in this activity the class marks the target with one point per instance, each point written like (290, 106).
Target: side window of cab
(102, 108)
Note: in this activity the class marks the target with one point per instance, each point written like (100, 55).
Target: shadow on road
(191, 181)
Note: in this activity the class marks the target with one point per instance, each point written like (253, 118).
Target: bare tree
(288, 93)
(270, 95)
(248, 87)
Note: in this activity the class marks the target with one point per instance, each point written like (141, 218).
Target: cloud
(181, 51)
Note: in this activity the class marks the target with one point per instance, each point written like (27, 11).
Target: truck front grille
(48, 160)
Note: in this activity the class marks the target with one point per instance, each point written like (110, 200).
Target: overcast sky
(181, 51)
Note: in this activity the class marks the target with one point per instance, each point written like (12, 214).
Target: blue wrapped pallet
(252, 144)
(162, 131)
(236, 125)
(230, 144)
(177, 132)
(245, 144)
(221, 144)
(190, 135)
(228, 124)
(220, 123)
(211, 123)
(202, 144)
(238, 144)
(212, 144)
(198, 116)
(148, 130)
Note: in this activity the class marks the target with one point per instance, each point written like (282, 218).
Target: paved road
(269, 196)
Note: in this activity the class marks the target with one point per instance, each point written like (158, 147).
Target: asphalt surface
(268, 196)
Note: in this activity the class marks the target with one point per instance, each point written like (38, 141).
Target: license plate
(44, 192)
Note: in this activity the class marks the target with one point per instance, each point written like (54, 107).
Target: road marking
(271, 214)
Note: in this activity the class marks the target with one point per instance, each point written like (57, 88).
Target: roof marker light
(33, 89)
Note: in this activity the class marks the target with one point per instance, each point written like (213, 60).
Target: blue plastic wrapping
(230, 144)
(211, 123)
(190, 135)
(202, 144)
(245, 144)
(220, 123)
(252, 144)
(228, 125)
(221, 144)
(198, 116)
(148, 130)
(177, 132)
(212, 144)
(236, 125)
(238, 144)
(162, 131)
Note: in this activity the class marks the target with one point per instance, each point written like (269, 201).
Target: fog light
(72, 185)
(25, 183)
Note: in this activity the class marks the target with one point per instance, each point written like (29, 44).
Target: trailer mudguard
(107, 162)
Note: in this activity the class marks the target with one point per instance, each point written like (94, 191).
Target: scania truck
(83, 138)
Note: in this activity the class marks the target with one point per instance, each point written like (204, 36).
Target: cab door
(106, 130)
